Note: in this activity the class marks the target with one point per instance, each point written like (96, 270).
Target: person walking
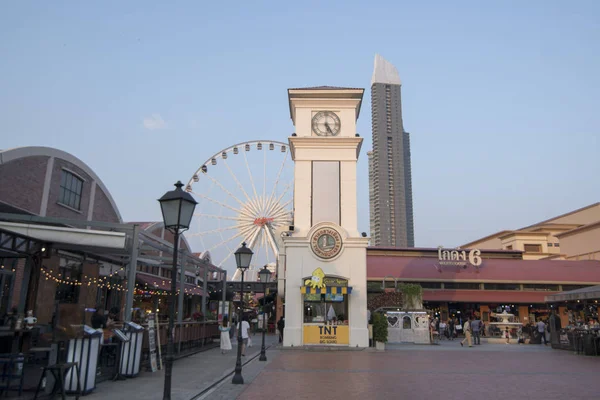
(451, 329)
(225, 340)
(467, 332)
(541, 328)
(245, 327)
(475, 329)
(280, 327)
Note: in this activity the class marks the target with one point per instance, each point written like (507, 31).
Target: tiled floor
(447, 371)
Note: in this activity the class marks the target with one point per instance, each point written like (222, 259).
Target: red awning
(151, 282)
(485, 296)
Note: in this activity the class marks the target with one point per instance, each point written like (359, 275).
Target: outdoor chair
(38, 346)
(11, 373)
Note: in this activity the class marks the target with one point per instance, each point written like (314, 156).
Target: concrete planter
(380, 346)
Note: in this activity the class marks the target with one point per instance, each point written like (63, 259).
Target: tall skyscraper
(390, 182)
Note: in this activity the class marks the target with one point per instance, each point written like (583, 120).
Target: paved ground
(446, 371)
(191, 376)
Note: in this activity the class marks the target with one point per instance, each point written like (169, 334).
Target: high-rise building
(390, 182)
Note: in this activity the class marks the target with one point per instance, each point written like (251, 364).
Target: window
(509, 247)
(461, 285)
(549, 244)
(533, 248)
(566, 288)
(501, 286)
(320, 308)
(540, 287)
(70, 190)
(69, 271)
(555, 244)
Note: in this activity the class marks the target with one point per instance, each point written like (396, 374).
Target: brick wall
(44, 303)
(103, 210)
(56, 210)
(18, 282)
(22, 182)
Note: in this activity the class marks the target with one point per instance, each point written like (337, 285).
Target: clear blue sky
(502, 99)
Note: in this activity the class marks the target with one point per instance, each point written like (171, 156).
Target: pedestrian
(280, 327)
(244, 327)
(232, 331)
(475, 329)
(451, 329)
(225, 340)
(467, 331)
(507, 335)
(541, 328)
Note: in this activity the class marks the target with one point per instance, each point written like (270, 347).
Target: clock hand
(328, 128)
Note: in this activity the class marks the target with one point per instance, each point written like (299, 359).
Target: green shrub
(380, 328)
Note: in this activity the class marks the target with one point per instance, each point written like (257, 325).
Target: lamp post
(177, 209)
(243, 256)
(265, 277)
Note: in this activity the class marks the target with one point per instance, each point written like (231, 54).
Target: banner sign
(152, 343)
(326, 334)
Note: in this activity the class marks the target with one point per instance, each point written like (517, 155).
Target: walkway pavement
(445, 371)
(191, 376)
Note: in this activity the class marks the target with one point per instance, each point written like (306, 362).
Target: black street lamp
(265, 277)
(177, 209)
(243, 256)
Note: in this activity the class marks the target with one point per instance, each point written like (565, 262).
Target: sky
(501, 98)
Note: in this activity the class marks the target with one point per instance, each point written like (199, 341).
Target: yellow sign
(316, 280)
(326, 334)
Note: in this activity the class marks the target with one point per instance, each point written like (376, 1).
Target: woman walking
(225, 341)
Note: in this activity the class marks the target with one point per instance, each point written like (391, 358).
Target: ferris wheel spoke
(217, 202)
(279, 175)
(219, 230)
(225, 190)
(250, 175)
(212, 216)
(239, 185)
(271, 241)
(280, 209)
(275, 203)
(264, 195)
(228, 240)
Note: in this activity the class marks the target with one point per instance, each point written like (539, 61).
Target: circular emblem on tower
(326, 243)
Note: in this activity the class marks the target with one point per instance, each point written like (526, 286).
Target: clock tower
(323, 260)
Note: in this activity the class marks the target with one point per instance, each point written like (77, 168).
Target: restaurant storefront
(456, 288)
(326, 311)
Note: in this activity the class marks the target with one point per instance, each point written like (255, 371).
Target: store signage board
(152, 344)
(460, 259)
(326, 334)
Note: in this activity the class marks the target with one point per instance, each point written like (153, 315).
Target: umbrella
(331, 313)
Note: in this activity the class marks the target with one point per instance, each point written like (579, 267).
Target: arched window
(406, 322)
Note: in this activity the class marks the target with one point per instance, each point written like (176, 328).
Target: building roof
(488, 237)
(326, 88)
(587, 293)
(579, 229)
(562, 216)
(33, 151)
(384, 72)
(491, 270)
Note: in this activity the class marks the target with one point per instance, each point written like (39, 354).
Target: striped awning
(327, 290)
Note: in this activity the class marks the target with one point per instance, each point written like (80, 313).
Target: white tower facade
(324, 258)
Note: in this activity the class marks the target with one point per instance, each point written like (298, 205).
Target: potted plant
(412, 296)
(380, 331)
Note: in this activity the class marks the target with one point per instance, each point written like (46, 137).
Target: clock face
(326, 243)
(326, 123)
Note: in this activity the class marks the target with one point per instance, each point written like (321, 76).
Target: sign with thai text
(459, 257)
(326, 334)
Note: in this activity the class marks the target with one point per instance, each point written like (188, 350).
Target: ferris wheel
(244, 194)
